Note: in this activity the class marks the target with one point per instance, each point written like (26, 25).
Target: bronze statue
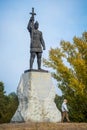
(37, 43)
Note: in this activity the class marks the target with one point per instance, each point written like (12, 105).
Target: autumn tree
(69, 64)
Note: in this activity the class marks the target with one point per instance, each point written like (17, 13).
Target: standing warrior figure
(37, 41)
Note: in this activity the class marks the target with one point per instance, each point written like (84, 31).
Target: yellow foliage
(74, 75)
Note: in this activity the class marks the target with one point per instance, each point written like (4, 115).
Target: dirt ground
(43, 126)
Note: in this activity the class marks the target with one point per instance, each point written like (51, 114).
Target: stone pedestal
(36, 95)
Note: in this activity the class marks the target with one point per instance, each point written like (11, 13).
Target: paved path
(43, 126)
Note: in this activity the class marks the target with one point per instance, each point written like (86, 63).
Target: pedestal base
(36, 95)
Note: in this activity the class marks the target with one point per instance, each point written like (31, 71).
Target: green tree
(3, 102)
(13, 104)
(8, 104)
(69, 63)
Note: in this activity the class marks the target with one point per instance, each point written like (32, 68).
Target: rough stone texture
(36, 95)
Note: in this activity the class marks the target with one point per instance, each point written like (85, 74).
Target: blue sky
(58, 20)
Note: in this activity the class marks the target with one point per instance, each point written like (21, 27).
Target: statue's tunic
(37, 41)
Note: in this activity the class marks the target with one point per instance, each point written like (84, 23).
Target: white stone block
(36, 95)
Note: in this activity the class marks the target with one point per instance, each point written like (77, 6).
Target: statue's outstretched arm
(30, 25)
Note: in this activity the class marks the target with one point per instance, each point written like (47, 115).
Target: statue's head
(36, 25)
